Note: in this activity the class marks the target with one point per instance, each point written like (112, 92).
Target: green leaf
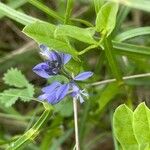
(10, 96)
(123, 129)
(132, 33)
(107, 95)
(81, 34)
(98, 4)
(106, 18)
(25, 90)
(141, 124)
(138, 4)
(43, 32)
(14, 77)
(27, 94)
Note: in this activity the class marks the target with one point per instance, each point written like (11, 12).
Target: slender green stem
(87, 49)
(68, 11)
(88, 24)
(111, 60)
(30, 134)
(46, 9)
(76, 123)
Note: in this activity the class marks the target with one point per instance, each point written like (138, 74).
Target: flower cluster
(54, 65)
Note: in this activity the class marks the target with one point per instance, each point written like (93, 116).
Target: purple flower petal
(40, 70)
(51, 88)
(65, 58)
(52, 98)
(54, 56)
(75, 90)
(83, 76)
(62, 91)
(45, 51)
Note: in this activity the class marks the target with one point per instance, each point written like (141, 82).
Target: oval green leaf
(123, 129)
(106, 18)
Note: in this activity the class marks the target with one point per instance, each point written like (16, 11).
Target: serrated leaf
(10, 96)
(81, 34)
(43, 32)
(141, 124)
(14, 77)
(123, 129)
(106, 18)
(27, 93)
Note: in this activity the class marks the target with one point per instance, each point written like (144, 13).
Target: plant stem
(46, 9)
(87, 23)
(124, 78)
(87, 49)
(30, 134)
(111, 60)
(68, 11)
(76, 123)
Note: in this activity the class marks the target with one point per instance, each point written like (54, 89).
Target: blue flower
(54, 93)
(53, 64)
(76, 91)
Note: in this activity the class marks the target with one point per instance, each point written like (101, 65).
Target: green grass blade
(131, 50)
(15, 15)
(46, 9)
(132, 33)
(14, 4)
(122, 14)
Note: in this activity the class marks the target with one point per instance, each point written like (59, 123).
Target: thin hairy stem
(76, 123)
(124, 78)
